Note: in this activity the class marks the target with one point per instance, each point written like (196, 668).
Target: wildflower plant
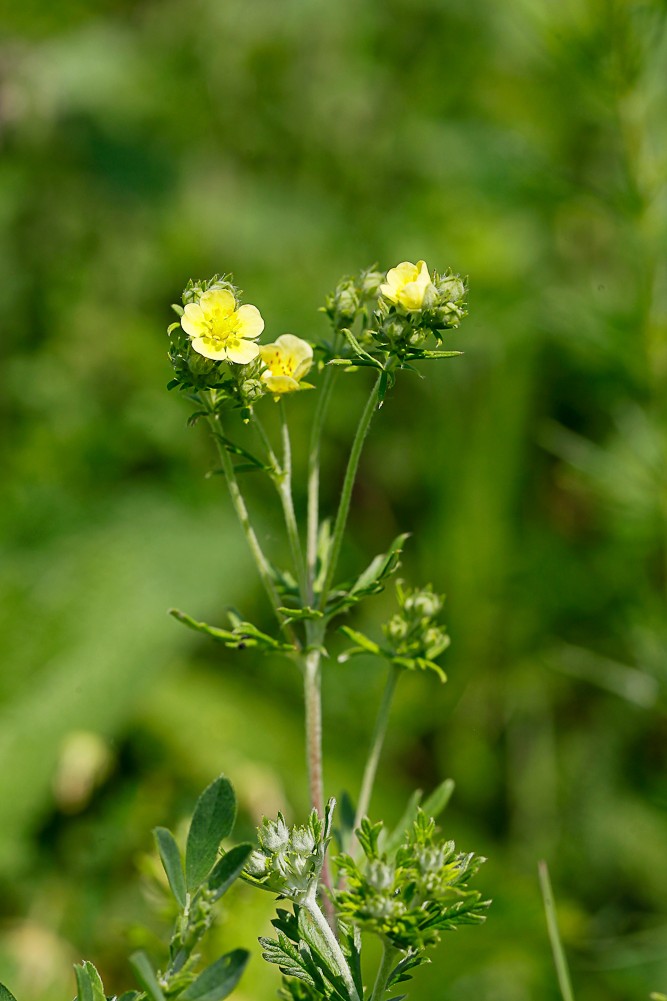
(342, 879)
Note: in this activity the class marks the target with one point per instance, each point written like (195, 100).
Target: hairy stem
(348, 484)
(327, 933)
(375, 751)
(389, 955)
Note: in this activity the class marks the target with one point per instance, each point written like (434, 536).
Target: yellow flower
(408, 285)
(287, 361)
(219, 330)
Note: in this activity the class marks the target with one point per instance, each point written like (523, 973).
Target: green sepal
(227, 869)
(172, 863)
(178, 310)
(218, 980)
(89, 984)
(243, 634)
(6, 994)
(146, 976)
(213, 819)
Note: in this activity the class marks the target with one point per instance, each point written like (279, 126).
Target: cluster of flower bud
(289, 860)
(413, 631)
(409, 897)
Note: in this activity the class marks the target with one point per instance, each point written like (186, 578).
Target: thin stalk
(285, 490)
(375, 751)
(389, 954)
(238, 502)
(310, 904)
(348, 484)
(313, 706)
(560, 961)
(319, 416)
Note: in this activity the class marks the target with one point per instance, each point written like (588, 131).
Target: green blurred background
(523, 144)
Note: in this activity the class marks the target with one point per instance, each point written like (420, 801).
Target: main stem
(389, 955)
(348, 484)
(377, 742)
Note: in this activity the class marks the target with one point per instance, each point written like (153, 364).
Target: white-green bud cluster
(289, 860)
(413, 632)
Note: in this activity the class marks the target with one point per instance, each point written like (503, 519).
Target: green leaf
(242, 635)
(439, 798)
(371, 581)
(364, 644)
(6, 994)
(228, 868)
(434, 354)
(395, 839)
(88, 983)
(129, 996)
(145, 974)
(313, 937)
(305, 614)
(219, 980)
(212, 821)
(172, 863)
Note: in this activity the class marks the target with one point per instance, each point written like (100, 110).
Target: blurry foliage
(524, 144)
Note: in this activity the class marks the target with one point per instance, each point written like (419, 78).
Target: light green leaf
(435, 803)
(219, 980)
(145, 974)
(212, 821)
(172, 863)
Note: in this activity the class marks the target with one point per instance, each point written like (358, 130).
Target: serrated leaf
(219, 979)
(228, 869)
(439, 798)
(145, 974)
(213, 820)
(172, 863)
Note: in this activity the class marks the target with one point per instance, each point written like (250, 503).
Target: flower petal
(204, 346)
(296, 347)
(218, 302)
(192, 320)
(242, 352)
(278, 384)
(250, 319)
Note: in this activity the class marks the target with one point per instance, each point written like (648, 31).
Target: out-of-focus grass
(522, 144)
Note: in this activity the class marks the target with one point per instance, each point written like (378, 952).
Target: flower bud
(274, 834)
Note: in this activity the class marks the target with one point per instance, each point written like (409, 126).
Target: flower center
(220, 329)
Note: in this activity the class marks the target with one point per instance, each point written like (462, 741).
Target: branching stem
(327, 933)
(389, 955)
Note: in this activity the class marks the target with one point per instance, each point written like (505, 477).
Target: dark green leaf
(6, 994)
(228, 868)
(212, 821)
(219, 980)
(145, 974)
(172, 863)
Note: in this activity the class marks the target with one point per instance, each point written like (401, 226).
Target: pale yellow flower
(408, 285)
(287, 361)
(219, 330)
